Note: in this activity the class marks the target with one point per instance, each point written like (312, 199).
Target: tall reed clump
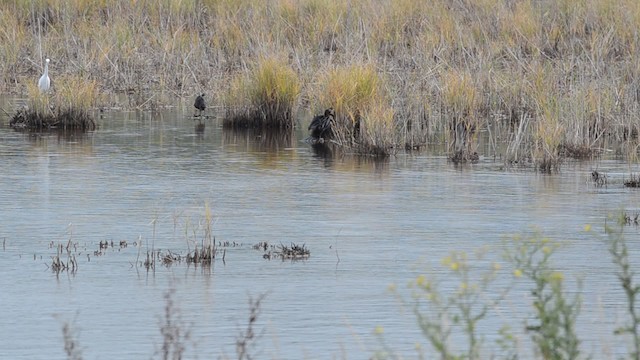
(66, 108)
(554, 332)
(75, 96)
(548, 129)
(204, 252)
(460, 100)
(264, 97)
(12, 37)
(364, 117)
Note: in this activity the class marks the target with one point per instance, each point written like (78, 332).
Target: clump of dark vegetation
(199, 256)
(633, 181)
(59, 265)
(463, 156)
(203, 256)
(630, 219)
(283, 252)
(599, 178)
(69, 119)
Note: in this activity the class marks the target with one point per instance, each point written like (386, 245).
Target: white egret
(44, 82)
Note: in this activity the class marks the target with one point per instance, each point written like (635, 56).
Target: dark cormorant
(199, 104)
(320, 126)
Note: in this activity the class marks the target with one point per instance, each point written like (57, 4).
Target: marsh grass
(264, 98)
(558, 77)
(58, 262)
(461, 108)
(200, 237)
(68, 108)
(364, 117)
(59, 265)
(283, 252)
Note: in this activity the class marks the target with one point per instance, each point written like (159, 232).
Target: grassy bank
(558, 77)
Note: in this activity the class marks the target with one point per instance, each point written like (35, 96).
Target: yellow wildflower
(446, 261)
(587, 227)
(556, 276)
(517, 273)
(379, 330)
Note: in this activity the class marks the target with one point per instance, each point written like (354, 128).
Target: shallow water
(148, 177)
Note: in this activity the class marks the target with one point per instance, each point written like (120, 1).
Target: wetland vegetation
(442, 314)
(547, 80)
(544, 81)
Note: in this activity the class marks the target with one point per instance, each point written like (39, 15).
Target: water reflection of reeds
(260, 140)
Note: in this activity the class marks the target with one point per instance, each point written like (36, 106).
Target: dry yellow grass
(264, 97)
(176, 48)
(364, 116)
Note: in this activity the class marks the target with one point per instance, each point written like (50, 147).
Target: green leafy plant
(620, 253)
(554, 331)
(441, 311)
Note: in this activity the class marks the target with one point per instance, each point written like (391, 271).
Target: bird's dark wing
(315, 123)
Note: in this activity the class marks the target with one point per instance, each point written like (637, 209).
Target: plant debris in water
(631, 219)
(633, 182)
(58, 265)
(462, 156)
(283, 252)
(599, 178)
(66, 256)
(69, 119)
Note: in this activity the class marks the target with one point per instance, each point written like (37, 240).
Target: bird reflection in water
(199, 129)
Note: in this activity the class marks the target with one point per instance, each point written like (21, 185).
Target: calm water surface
(149, 177)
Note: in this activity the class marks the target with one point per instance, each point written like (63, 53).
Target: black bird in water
(200, 105)
(320, 126)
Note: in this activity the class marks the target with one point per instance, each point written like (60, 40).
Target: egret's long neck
(46, 69)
